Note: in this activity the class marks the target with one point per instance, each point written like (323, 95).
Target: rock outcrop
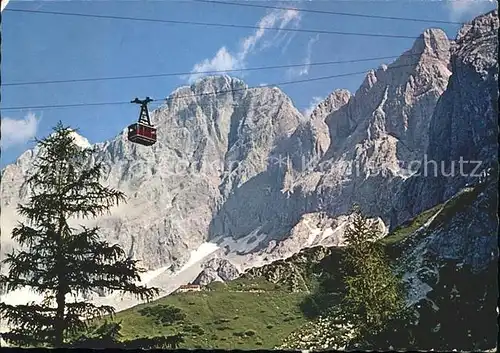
(463, 128)
(216, 270)
(380, 130)
(451, 267)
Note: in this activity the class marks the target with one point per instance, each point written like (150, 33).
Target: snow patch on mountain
(199, 254)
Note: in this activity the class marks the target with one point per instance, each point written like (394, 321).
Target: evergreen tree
(57, 261)
(374, 294)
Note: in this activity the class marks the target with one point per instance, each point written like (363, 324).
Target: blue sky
(40, 47)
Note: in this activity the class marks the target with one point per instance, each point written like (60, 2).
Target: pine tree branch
(19, 337)
(29, 317)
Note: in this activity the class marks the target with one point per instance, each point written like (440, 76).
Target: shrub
(224, 328)
(221, 321)
(196, 329)
(250, 333)
(166, 314)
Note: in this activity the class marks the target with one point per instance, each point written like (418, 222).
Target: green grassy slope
(404, 230)
(226, 317)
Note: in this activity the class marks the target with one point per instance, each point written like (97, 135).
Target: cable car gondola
(142, 132)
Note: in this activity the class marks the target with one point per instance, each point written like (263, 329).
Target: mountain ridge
(247, 177)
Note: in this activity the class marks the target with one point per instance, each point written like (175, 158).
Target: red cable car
(142, 132)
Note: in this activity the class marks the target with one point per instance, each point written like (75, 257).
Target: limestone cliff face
(311, 139)
(349, 148)
(397, 119)
(464, 125)
(396, 100)
(208, 147)
(381, 128)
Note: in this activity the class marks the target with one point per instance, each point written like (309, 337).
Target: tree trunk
(59, 322)
(60, 299)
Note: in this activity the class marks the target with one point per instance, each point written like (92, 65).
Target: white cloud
(3, 4)
(18, 131)
(290, 17)
(304, 70)
(314, 103)
(224, 60)
(461, 10)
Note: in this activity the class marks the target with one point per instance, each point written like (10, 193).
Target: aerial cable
(171, 98)
(209, 24)
(331, 12)
(9, 84)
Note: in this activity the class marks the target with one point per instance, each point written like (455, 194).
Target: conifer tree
(375, 296)
(58, 261)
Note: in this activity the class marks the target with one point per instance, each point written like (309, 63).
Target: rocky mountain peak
(479, 26)
(382, 127)
(433, 42)
(332, 102)
(205, 93)
(80, 140)
(477, 45)
(209, 84)
(216, 269)
(368, 82)
(395, 99)
(208, 145)
(464, 123)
